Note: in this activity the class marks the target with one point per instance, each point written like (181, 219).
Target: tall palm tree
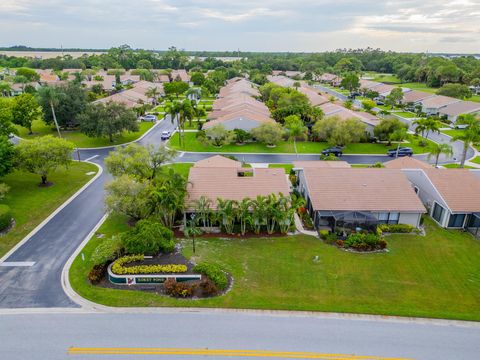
(191, 230)
(438, 149)
(295, 130)
(173, 110)
(50, 94)
(469, 136)
(153, 94)
(244, 214)
(425, 126)
(203, 210)
(227, 213)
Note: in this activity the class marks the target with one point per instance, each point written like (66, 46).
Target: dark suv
(402, 151)
(335, 150)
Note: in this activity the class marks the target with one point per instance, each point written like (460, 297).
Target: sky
(450, 26)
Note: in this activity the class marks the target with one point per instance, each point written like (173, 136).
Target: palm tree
(5, 89)
(296, 85)
(153, 94)
(173, 109)
(203, 210)
(227, 214)
(438, 149)
(295, 129)
(469, 136)
(51, 95)
(244, 214)
(425, 126)
(259, 213)
(191, 230)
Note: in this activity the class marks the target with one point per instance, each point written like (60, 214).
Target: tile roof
(225, 183)
(438, 101)
(414, 96)
(320, 164)
(357, 189)
(460, 188)
(218, 161)
(406, 162)
(460, 107)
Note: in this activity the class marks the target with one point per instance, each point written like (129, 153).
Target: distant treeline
(434, 70)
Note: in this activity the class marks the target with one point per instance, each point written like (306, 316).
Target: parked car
(379, 102)
(335, 150)
(166, 135)
(401, 151)
(148, 118)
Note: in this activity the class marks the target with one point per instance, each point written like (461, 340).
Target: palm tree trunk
(295, 146)
(436, 159)
(464, 154)
(55, 119)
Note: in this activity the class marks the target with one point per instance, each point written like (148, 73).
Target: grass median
(435, 276)
(31, 204)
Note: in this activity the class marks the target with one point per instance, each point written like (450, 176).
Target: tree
(62, 104)
(43, 155)
(395, 97)
(438, 149)
(368, 104)
(350, 82)
(426, 125)
(350, 64)
(25, 109)
(270, 133)
(129, 196)
(107, 120)
(219, 136)
(6, 117)
(144, 64)
(7, 153)
(148, 237)
(175, 88)
(153, 93)
(197, 78)
(29, 74)
(390, 129)
(295, 129)
(190, 229)
(458, 91)
(469, 136)
(337, 131)
(203, 209)
(142, 163)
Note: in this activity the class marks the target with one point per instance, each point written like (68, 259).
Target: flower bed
(119, 268)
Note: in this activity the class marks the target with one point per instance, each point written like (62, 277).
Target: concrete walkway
(301, 229)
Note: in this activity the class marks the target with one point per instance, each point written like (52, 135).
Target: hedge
(214, 273)
(397, 228)
(5, 217)
(119, 268)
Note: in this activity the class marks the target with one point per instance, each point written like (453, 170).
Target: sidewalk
(300, 228)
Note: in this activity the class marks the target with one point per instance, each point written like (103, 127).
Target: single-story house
(281, 80)
(242, 119)
(414, 97)
(219, 177)
(319, 164)
(358, 197)
(452, 196)
(368, 119)
(432, 105)
(452, 111)
(313, 96)
(331, 79)
(180, 75)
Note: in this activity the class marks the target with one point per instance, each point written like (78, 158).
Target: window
(438, 212)
(388, 218)
(456, 220)
(416, 189)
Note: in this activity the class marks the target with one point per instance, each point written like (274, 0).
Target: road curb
(54, 213)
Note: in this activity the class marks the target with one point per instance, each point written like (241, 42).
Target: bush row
(397, 228)
(364, 242)
(187, 289)
(5, 216)
(119, 268)
(214, 273)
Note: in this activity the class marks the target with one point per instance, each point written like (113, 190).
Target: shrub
(214, 273)
(107, 250)
(4, 189)
(119, 267)
(331, 238)
(208, 288)
(149, 238)
(340, 243)
(178, 289)
(5, 216)
(324, 234)
(396, 228)
(97, 273)
(364, 242)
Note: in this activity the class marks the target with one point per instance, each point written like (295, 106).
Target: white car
(166, 135)
(149, 118)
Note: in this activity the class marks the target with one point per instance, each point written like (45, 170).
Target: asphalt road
(50, 336)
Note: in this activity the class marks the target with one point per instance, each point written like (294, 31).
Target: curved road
(39, 286)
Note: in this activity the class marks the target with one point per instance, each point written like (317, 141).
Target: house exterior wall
(410, 219)
(426, 191)
(241, 123)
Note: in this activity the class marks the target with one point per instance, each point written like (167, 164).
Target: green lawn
(81, 140)
(31, 204)
(406, 114)
(385, 78)
(182, 168)
(287, 167)
(433, 276)
(419, 86)
(194, 125)
(306, 147)
(476, 160)
(456, 166)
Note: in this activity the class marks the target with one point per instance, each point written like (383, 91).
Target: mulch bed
(180, 234)
(8, 228)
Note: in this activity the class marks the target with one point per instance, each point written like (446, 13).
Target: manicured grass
(456, 166)
(305, 147)
(385, 78)
(288, 167)
(475, 98)
(31, 204)
(419, 86)
(453, 132)
(194, 125)
(476, 160)
(433, 276)
(181, 168)
(81, 140)
(406, 114)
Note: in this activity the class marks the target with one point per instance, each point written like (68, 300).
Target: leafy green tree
(197, 78)
(458, 91)
(368, 104)
(6, 117)
(351, 82)
(29, 74)
(438, 149)
(144, 64)
(295, 129)
(395, 97)
(388, 128)
(241, 136)
(349, 64)
(218, 136)
(425, 126)
(153, 93)
(469, 136)
(270, 133)
(140, 162)
(107, 120)
(7, 153)
(190, 230)
(25, 110)
(43, 155)
(175, 88)
(148, 237)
